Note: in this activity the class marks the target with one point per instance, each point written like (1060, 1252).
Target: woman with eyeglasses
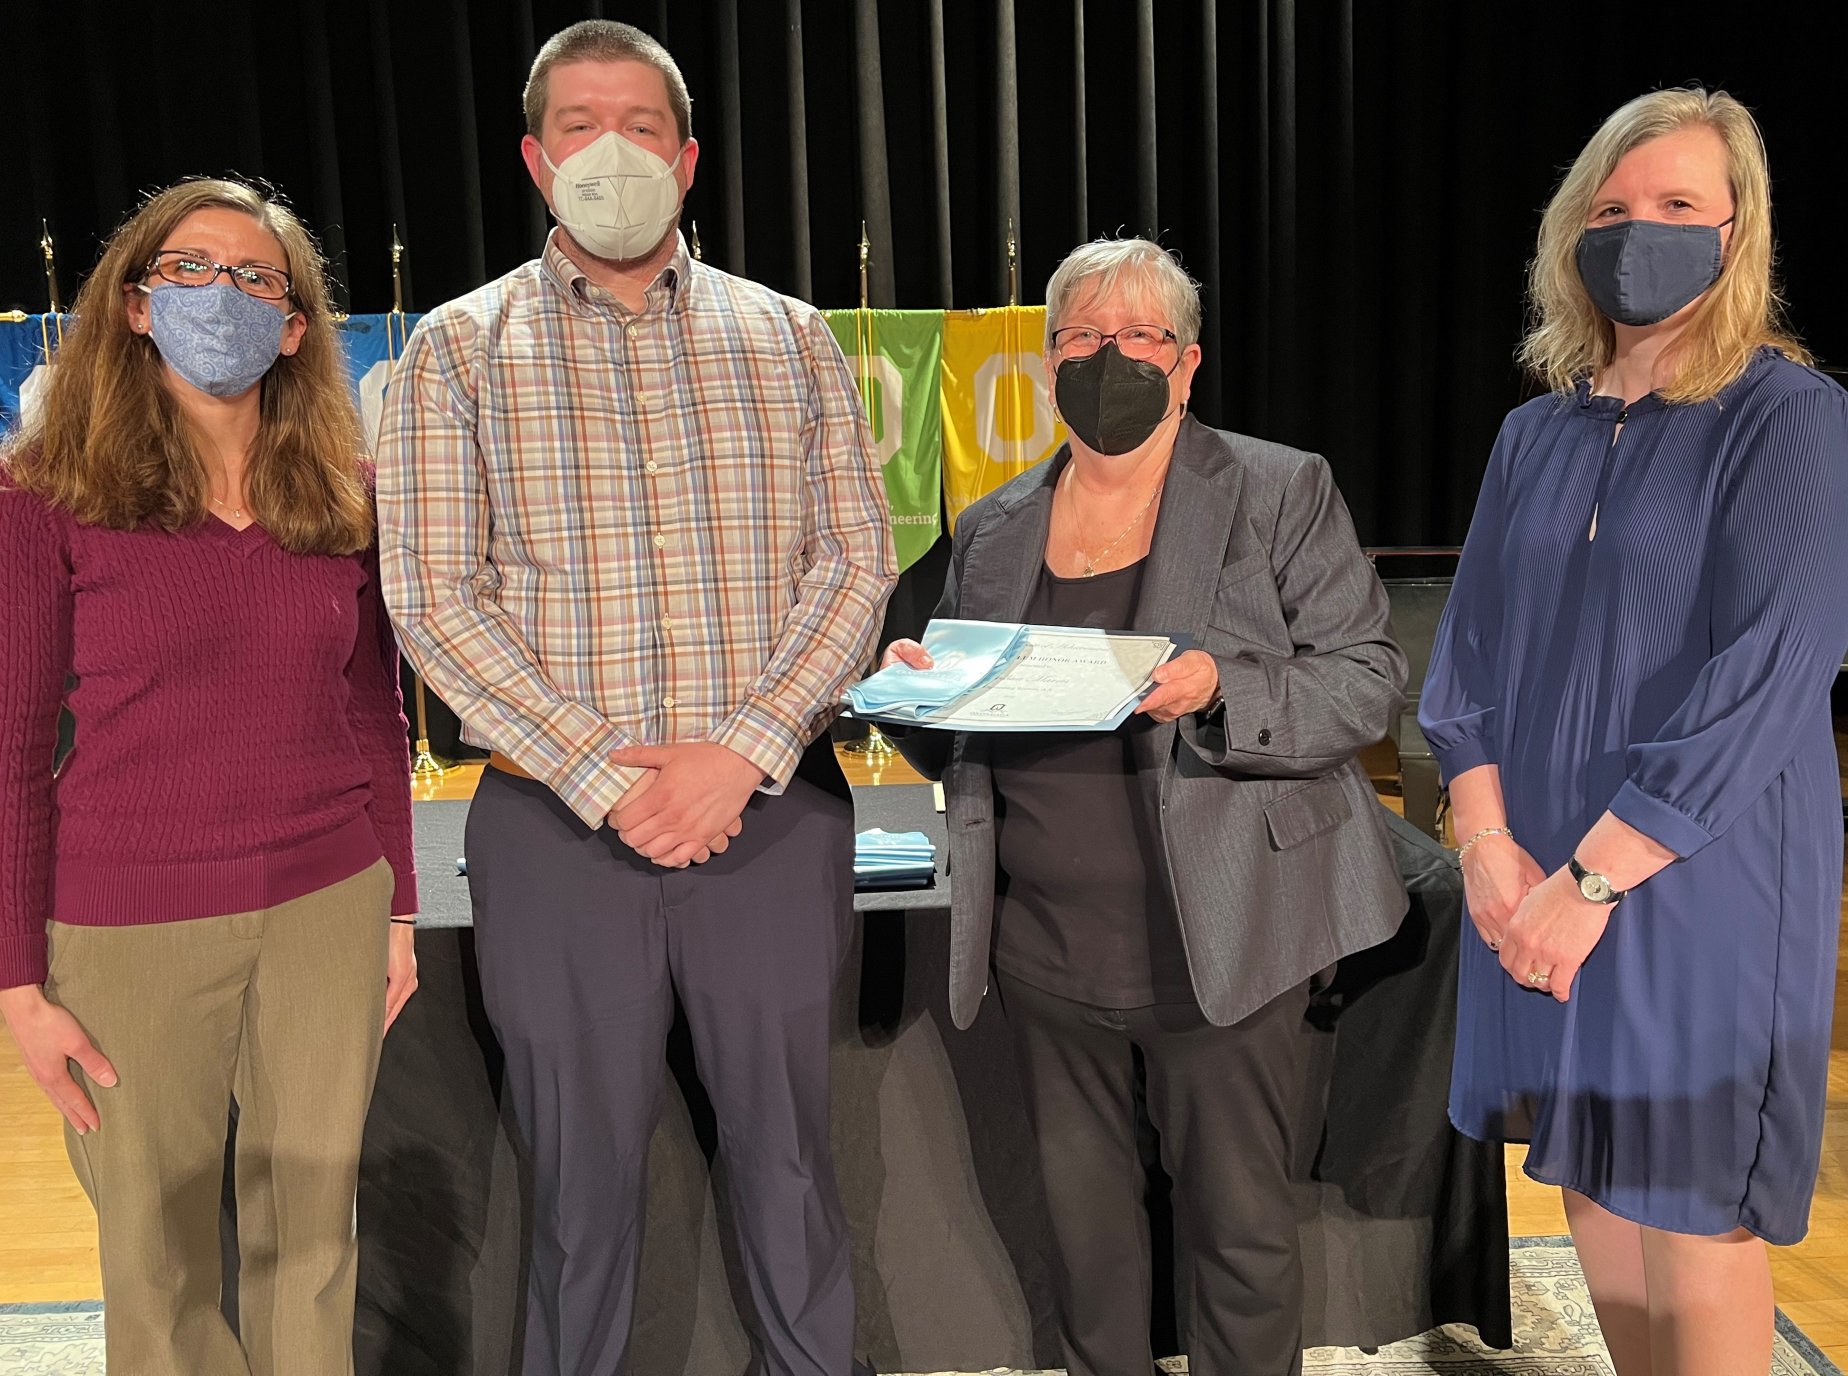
(1155, 901)
(211, 899)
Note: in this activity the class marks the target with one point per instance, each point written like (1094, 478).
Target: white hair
(1140, 268)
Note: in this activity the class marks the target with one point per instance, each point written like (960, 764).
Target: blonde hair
(1094, 271)
(111, 445)
(1570, 338)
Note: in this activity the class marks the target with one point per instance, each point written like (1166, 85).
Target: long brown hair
(111, 445)
(1570, 338)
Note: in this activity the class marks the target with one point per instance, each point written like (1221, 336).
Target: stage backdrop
(1357, 185)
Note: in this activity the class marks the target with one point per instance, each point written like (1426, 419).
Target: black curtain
(1357, 185)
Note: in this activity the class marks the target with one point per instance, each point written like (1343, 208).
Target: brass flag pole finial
(1013, 265)
(56, 312)
(50, 250)
(396, 335)
(698, 257)
(866, 253)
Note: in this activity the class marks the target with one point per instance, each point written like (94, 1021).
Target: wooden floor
(48, 1232)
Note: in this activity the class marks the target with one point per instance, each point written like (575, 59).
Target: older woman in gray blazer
(1170, 888)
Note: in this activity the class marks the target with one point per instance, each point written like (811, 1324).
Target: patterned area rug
(63, 1339)
(1555, 1334)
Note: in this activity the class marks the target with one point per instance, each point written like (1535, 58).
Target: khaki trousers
(282, 1008)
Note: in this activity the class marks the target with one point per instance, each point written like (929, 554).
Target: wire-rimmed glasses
(1143, 343)
(184, 268)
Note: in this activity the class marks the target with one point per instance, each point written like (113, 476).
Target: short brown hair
(604, 40)
(110, 444)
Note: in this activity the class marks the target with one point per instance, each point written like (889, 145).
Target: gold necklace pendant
(1090, 563)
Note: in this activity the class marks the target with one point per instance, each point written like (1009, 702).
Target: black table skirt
(1403, 1220)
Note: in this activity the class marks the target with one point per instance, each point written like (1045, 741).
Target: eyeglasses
(185, 269)
(1144, 343)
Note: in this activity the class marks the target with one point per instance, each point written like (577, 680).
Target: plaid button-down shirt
(601, 528)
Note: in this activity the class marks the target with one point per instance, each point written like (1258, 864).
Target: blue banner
(22, 353)
(372, 343)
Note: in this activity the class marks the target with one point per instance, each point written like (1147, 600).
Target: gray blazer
(1275, 852)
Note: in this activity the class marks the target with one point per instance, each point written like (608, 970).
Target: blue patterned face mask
(219, 338)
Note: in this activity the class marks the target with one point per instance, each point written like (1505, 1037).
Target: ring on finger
(1536, 978)
(1496, 944)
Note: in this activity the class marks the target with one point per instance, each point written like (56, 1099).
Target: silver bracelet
(1486, 831)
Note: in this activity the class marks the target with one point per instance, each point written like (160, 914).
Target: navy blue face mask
(1640, 272)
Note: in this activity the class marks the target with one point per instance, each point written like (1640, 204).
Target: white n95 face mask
(615, 197)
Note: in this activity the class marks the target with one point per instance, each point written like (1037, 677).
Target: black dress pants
(582, 943)
(1223, 1100)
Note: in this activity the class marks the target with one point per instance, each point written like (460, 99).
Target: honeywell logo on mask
(615, 197)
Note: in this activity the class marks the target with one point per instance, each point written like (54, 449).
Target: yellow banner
(997, 415)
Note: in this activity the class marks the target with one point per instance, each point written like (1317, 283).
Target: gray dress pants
(582, 944)
(1224, 1100)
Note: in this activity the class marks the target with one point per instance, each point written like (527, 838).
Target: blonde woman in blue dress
(1629, 697)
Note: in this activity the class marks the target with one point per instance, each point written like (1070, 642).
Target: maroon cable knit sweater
(240, 735)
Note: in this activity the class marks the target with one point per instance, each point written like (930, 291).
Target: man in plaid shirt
(632, 530)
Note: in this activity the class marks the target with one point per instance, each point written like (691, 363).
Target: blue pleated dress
(1675, 669)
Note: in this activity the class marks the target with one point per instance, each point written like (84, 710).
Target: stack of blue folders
(967, 655)
(893, 860)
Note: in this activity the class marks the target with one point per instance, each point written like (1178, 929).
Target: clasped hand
(687, 805)
(1538, 924)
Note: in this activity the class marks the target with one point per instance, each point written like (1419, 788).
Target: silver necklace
(1091, 563)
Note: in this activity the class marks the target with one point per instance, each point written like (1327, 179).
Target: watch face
(1596, 887)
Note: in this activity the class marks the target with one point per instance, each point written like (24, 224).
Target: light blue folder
(967, 655)
(973, 657)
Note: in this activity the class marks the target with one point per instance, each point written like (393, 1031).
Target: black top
(1081, 905)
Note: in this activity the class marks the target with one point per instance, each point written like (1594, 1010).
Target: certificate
(1049, 678)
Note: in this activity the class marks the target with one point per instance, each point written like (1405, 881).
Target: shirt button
(660, 542)
(634, 330)
(667, 702)
(667, 623)
(653, 466)
(642, 398)
(1264, 737)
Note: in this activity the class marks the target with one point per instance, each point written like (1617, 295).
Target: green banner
(897, 356)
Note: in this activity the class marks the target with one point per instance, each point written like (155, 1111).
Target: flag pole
(426, 765)
(874, 745)
(863, 329)
(49, 249)
(1011, 342)
(394, 320)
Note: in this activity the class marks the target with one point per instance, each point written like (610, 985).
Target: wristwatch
(1594, 887)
